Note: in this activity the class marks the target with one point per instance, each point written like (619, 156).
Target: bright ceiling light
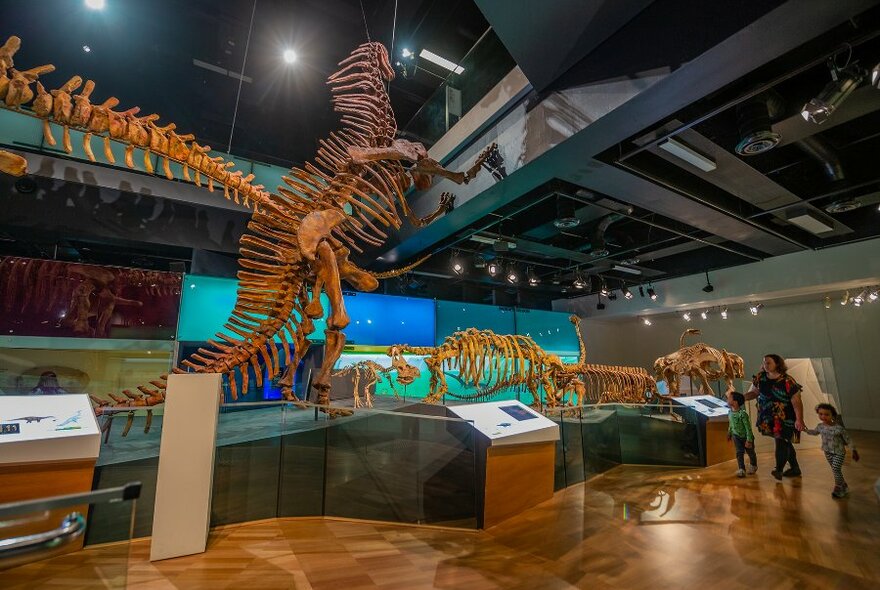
(95, 4)
(688, 154)
(492, 268)
(845, 299)
(533, 278)
(724, 314)
(705, 315)
(87, 49)
(406, 52)
(755, 308)
(512, 275)
(652, 294)
(646, 321)
(289, 56)
(441, 61)
(872, 297)
(686, 316)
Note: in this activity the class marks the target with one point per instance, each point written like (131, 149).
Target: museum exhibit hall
(403, 294)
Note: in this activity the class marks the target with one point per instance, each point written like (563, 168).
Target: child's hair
(739, 398)
(828, 407)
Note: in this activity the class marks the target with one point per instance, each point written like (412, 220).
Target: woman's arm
(752, 393)
(798, 404)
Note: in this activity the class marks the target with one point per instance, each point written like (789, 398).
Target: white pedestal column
(186, 466)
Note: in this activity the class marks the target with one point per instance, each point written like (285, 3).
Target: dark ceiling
(147, 54)
(637, 207)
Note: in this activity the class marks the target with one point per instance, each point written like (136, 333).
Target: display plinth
(713, 422)
(182, 511)
(48, 447)
(516, 455)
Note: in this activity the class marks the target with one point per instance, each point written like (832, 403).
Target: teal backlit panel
(453, 316)
(375, 319)
(551, 330)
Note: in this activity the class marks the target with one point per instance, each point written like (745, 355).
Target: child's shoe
(751, 470)
(839, 492)
(740, 472)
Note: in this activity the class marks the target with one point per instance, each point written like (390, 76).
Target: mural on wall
(63, 299)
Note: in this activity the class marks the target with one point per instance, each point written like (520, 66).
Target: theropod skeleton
(298, 240)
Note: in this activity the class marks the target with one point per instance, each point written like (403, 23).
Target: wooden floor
(634, 527)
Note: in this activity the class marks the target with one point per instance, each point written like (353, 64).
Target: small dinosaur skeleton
(299, 238)
(700, 362)
(370, 373)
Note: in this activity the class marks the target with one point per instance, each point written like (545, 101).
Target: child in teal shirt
(740, 430)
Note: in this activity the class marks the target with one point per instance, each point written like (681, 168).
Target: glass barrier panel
(601, 437)
(659, 435)
(559, 457)
(41, 541)
(402, 468)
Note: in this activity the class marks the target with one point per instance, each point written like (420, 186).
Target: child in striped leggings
(835, 439)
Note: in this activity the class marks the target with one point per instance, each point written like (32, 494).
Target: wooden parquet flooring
(633, 527)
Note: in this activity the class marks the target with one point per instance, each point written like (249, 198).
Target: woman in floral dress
(780, 412)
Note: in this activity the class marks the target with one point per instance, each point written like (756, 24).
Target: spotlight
(845, 298)
(827, 302)
(406, 52)
(646, 321)
(533, 278)
(493, 268)
(872, 297)
(724, 314)
(708, 288)
(95, 4)
(755, 308)
(875, 76)
(705, 315)
(600, 306)
(686, 316)
(457, 265)
(652, 294)
(860, 298)
(857, 302)
(579, 282)
(87, 49)
(843, 82)
(627, 293)
(604, 289)
(512, 275)
(289, 56)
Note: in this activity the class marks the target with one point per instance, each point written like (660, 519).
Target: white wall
(849, 336)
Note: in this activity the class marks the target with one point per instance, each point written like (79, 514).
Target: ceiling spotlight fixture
(87, 49)
(641, 291)
(652, 293)
(686, 316)
(857, 302)
(845, 299)
(842, 84)
(755, 308)
(457, 264)
(565, 214)
(688, 154)
(724, 313)
(708, 288)
(827, 302)
(95, 4)
(406, 52)
(705, 314)
(441, 61)
(627, 293)
(492, 268)
(600, 306)
(579, 282)
(646, 321)
(875, 77)
(604, 289)
(512, 275)
(533, 278)
(289, 56)
(873, 295)
(860, 298)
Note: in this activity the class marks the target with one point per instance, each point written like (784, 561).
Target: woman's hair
(781, 367)
(828, 407)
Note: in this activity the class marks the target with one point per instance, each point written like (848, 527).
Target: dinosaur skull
(406, 373)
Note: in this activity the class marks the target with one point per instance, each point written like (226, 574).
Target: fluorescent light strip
(810, 223)
(441, 61)
(679, 150)
(219, 70)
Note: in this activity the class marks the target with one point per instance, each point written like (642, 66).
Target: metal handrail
(72, 527)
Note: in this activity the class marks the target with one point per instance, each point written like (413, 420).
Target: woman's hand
(799, 425)
(855, 455)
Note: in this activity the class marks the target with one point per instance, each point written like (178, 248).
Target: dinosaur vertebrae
(370, 373)
(76, 111)
(699, 362)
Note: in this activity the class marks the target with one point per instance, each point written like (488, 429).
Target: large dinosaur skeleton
(699, 362)
(497, 363)
(299, 239)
